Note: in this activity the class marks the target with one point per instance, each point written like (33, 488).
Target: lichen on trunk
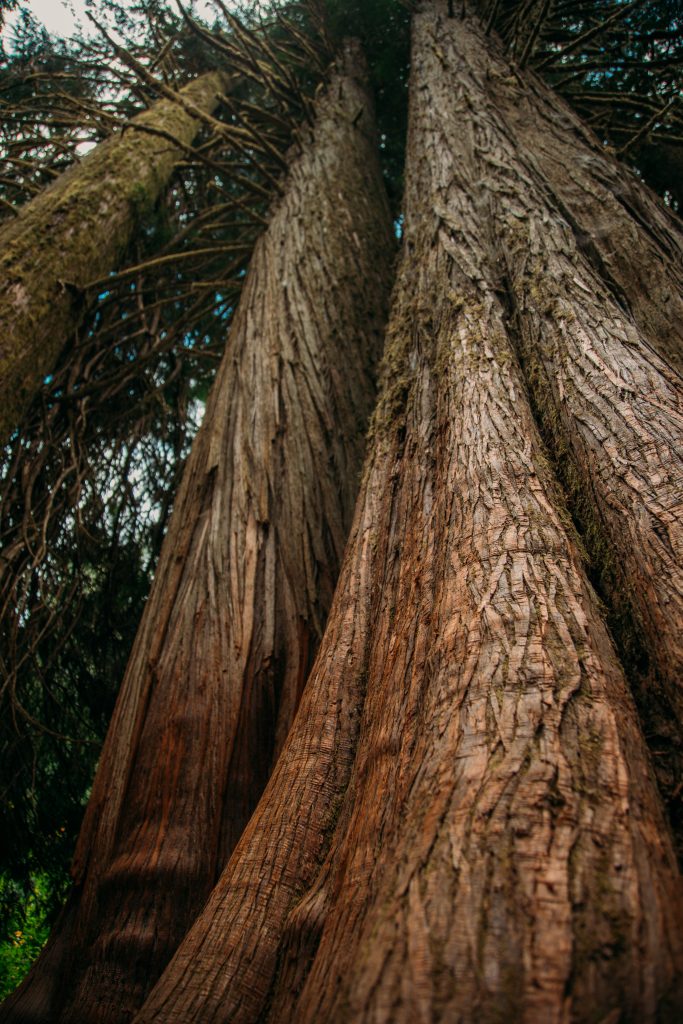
(77, 231)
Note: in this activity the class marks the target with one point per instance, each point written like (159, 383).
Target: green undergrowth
(25, 930)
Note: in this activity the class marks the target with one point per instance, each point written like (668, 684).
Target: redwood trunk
(246, 574)
(616, 228)
(76, 231)
(611, 406)
(463, 825)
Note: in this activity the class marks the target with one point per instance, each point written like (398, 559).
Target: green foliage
(55, 98)
(5, 7)
(88, 483)
(28, 917)
(619, 63)
(119, 409)
(49, 747)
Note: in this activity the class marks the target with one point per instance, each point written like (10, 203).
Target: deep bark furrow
(542, 851)
(75, 232)
(500, 852)
(225, 966)
(246, 574)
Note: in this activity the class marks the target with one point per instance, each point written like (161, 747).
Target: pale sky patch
(63, 17)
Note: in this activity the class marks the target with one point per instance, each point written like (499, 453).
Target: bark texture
(247, 571)
(631, 240)
(634, 247)
(482, 839)
(610, 401)
(76, 231)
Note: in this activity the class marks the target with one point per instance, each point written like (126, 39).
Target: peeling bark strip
(487, 844)
(605, 396)
(247, 571)
(75, 232)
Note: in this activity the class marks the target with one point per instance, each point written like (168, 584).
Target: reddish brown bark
(463, 824)
(631, 239)
(617, 228)
(76, 231)
(245, 577)
(611, 405)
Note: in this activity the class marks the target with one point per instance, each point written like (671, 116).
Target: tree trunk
(76, 231)
(463, 824)
(610, 405)
(631, 240)
(246, 574)
(625, 243)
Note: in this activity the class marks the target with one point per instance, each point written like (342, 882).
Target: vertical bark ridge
(247, 571)
(621, 416)
(658, 718)
(634, 246)
(76, 231)
(606, 397)
(500, 852)
(511, 891)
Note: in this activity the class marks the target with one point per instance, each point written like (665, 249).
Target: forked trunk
(245, 578)
(623, 244)
(463, 824)
(76, 231)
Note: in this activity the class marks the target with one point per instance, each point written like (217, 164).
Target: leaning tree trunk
(463, 825)
(77, 230)
(245, 578)
(624, 231)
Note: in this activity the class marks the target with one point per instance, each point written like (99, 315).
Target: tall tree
(77, 231)
(613, 217)
(464, 822)
(244, 581)
(601, 339)
(89, 479)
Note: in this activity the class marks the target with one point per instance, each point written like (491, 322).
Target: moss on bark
(77, 231)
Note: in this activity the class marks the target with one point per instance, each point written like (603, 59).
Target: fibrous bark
(616, 228)
(463, 824)
(630, 238)
(603, 378)
(246, 574)
(77, 230)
